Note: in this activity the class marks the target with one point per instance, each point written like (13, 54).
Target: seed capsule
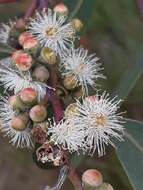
(38, 113)
(20, 122)
(92, 178)
(28, 95)
(41, 74)
(49, 56)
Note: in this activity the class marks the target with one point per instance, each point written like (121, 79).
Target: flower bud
(49, 56)
(19, 123)
(78, 93)
(28, 95)
(30, 43)
(38, 113)
(61, 91)
(91, 98)
(77, 24)
(70, 82)
(71, 110)
(22, 60)
(41, 74)
(61, 9)
(23, 37)
(15, 102)
(92, 178)
(105, 186)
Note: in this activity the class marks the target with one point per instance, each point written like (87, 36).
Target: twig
(8, 1)
(31, 9)
(74, 178)
(140, 6)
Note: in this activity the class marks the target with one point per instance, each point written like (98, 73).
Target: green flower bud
(70, 82)
(41, 74)
(92, 178)
(16, 102)
(19, 122)
(105, 186)
(38, 113)
(71, 110)
(77, 24)
(48, 56)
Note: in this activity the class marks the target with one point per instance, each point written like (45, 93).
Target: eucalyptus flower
(99, 117)
(52, 30)
(83, 67)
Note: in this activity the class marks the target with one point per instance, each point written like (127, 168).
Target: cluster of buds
(92, 179)
(27, 109)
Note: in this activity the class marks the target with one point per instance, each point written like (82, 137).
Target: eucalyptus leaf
(130, 76)
(130, 153)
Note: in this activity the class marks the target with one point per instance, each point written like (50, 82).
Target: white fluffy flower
(5, 31)
(84, 67)
(14, 79)
(51, 30)
(99, 117)
(66, 134)
(20, 139)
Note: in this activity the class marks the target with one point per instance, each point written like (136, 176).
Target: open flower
(52, 31)
(19, 138)
(14, 79)
(99, 117)
(83, 67)
(66, 134)
(5, 31)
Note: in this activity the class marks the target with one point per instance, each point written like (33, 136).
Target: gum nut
(38, 113)
(28, 95)
(41, 73)
(19, 123)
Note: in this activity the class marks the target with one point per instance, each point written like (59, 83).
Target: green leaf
(81, 8)
(130, 76)
(130, 153)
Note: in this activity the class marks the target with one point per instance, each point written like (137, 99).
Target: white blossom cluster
(96, 119)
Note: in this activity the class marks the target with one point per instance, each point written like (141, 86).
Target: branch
(53, 98)
(74, 178)
(140, 6)
(31, 9)
(8, 1)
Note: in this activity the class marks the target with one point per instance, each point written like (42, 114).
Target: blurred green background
(114, 30)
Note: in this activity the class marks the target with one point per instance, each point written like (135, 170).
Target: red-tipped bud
(19, 122)
(23, 37)
(38, 113)
(22, 60)
(61, 9)
(92, 178)
(28, 95)
(41, 74)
